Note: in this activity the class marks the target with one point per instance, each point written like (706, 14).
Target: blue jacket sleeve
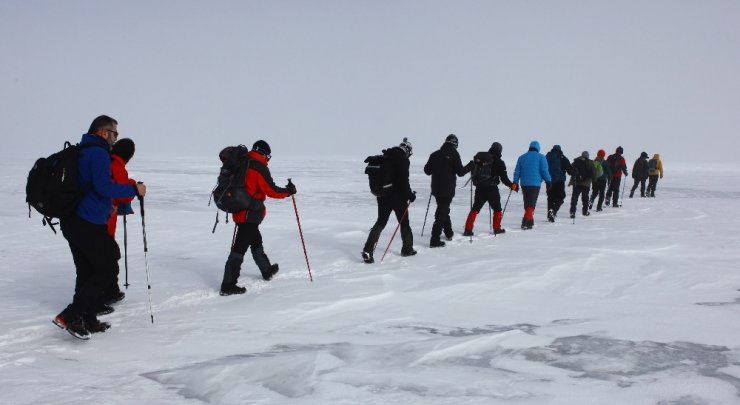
(102, 181)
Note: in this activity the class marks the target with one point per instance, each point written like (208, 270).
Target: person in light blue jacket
(531, 169)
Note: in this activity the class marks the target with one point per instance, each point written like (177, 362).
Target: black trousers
(652, 184)
(247, 235)
(599, 190)
(613, 191)
(488, 195)
(556, 196)
(391, 203)
(579, 191)
(442, 218)
(641, 183)
(529, 195)
(95, 254)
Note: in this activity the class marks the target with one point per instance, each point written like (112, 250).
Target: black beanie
(124, 148)
(496, 149)
(452, 140)
(620, 150)
(262, 147)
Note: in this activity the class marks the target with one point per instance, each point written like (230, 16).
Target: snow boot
(263, 263)
(231, 290)
(367, 257)
(436, 243)
(551, 216)
(73, 324)
(103, 309)
(408, 252)
(407, 239)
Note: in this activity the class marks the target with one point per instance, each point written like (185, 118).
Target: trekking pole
(490, 218)
(300, 231)
(425, 215)
(471, 202)
(504, 211)
(125, 251)
(146, 260)
(408, 204)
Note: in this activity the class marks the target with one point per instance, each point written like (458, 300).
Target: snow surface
(633, 305)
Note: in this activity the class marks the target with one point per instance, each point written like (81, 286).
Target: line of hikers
(87, 187)
(388, 175)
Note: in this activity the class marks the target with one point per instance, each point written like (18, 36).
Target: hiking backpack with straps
(615, 163)
(482, 169)
(653, 164)
(379, 172)
(580, 171)
(598, 169)
(230, 195)
(52, 187)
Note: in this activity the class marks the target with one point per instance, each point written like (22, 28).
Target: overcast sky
(345, 77)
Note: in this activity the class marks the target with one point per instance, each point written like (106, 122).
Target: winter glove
(291, 188)
(412, 197)
(515, 187)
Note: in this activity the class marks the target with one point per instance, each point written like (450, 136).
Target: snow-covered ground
(633, 305)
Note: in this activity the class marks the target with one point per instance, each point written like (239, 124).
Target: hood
(656, 156)
(643, 155)
(534, 145)
(619, 150)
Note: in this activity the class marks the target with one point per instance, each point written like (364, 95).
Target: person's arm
(101, 179)
(266, 184)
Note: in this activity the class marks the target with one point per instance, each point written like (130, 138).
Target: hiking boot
(468, 233)
(367, 257)
(96, 326)
(449, 236)
(436, 243)
(499, 231)
(103, 309)
(115, 297)
(73, 324)
(231, 290)
(586, 213)
(550, 215)
(599, 209)
(408, 252)
(269, 272)
(572, 215)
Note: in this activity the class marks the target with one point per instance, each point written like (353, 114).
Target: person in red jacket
(259, 185)
(121, 153)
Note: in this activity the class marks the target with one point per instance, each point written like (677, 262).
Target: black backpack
(615, 163)
(230, 195)
(653, 164)
(482, 165)
(379, 172)
(52, 187)
(580, 171)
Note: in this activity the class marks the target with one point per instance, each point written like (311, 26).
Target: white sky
(350, 77)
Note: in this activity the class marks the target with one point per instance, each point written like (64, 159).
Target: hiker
(583, 175)
(617, 166)
(640, 174)
(531, 168)
(655, 169)
(559, 166)
(94, 251)
(443, 165)
(121, 153)
(602, 175)
(259, 185)
(397, 199)
(488, 171)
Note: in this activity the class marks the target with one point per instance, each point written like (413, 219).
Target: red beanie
(601, 153)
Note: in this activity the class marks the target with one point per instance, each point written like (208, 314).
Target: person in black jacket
(397, 199)
(444, 165)
(640, 174)
(559, 166)
(488, 171)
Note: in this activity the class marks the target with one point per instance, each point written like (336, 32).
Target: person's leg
(232, 268)
(385, 207)
(400, 208)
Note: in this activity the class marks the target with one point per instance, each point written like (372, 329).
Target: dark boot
(407, 238)
(263, 263)
(551, 215)
(367, 257)
(436, 243)
(232, 269)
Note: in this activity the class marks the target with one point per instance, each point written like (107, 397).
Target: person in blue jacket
(94, 251)
(531, 169)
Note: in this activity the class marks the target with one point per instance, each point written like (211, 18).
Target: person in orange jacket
(259, 184)
(121, 153)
